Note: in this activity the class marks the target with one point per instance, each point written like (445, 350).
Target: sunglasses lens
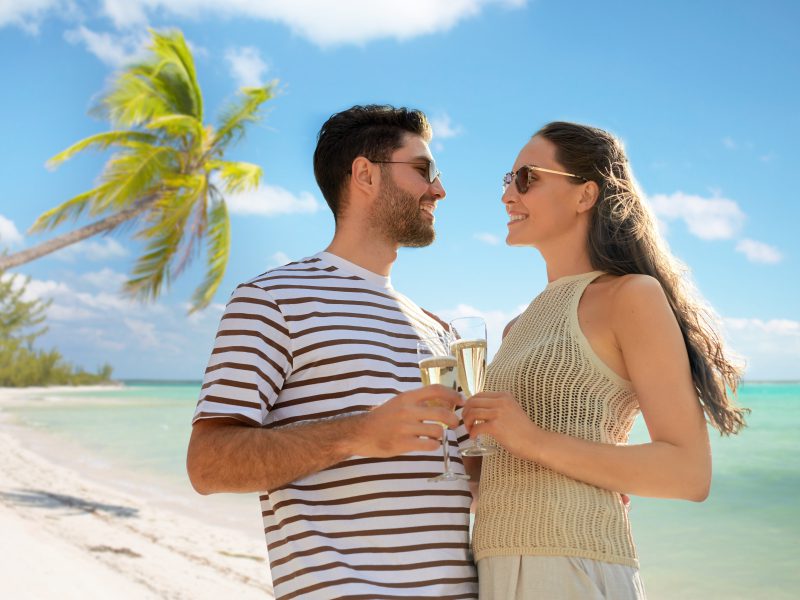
(433, 172)
(521, 179)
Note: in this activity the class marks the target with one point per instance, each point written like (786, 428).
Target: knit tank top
(546, 362)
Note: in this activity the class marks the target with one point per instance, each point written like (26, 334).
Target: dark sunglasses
(522, 177)
(431, 175)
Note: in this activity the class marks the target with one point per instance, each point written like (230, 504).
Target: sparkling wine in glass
(437, 365)
(469, 348)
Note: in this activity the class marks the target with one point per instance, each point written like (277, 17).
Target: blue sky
(705, 95)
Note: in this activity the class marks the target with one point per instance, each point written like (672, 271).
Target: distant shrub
(20, 364)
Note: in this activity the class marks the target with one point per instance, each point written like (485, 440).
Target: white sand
(65, 535)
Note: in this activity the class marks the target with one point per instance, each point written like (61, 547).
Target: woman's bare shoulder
(638, 293)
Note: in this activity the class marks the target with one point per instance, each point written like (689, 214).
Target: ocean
(743, 542)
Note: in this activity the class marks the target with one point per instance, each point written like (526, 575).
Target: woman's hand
(499, 415)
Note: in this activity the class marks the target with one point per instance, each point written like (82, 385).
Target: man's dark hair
(374, 131)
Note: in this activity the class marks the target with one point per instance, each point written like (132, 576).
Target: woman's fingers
(471, 415)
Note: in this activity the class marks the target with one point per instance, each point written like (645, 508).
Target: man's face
(404, 209)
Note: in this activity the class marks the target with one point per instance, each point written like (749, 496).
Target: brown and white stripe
(324, 338)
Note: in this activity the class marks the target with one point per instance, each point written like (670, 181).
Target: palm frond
(174, 55)
(218, 251)
(101, 141)
(71, 209)
(239, 113)
(237, 176)
(198, 196)
(164, 83)
(151, 271)
(178, 125)
(133, 98)
(131, 175)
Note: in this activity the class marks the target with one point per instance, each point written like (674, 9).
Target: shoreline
(76, 525)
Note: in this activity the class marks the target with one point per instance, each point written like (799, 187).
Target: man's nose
(438, 189)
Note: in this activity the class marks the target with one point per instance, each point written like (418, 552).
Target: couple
(313, 394)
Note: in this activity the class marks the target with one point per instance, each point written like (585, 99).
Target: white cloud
(323, 23)
(105, 249)
(126, 13)
(247, 66)
(9, 234)
(211, 313)
(269, 201)
(779, 327)
(36, 289)
(143, 332)
(706, 218)
(487, 238)
(771, 347)
(29, 14)
(729, 143)
(140, 340)
(496, 320)
(443, 127)
(759, 252)
(279, 259)
(105, 279)
(113, 50)
(59, 312)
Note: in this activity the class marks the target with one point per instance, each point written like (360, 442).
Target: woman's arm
(677, 461)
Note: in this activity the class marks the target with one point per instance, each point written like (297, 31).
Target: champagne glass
(437, 365)
(469, 348)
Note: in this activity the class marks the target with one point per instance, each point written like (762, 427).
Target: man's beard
(397, 215)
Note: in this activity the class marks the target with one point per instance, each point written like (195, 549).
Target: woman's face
(548, 209)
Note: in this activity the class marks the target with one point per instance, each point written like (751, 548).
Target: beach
(68, 534)
(94, 497)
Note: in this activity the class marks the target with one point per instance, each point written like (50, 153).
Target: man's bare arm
(226, 456)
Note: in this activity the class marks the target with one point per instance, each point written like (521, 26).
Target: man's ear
(364, 175)
(589, 196)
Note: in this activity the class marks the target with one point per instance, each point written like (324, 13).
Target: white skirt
(556, 578)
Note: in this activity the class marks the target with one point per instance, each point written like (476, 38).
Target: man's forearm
(235, 458)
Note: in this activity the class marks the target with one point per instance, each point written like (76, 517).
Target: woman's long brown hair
(623, 238)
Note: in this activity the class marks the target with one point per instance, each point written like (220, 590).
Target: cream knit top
(546, 362)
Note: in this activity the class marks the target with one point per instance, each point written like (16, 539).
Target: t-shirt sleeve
(251, 359)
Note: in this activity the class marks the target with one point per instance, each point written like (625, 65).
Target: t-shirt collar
(354, 269)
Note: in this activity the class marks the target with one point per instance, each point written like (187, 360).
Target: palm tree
(167, 179)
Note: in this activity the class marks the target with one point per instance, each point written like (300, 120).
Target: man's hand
(409, 422)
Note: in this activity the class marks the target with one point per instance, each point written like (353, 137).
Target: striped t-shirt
(324, 338)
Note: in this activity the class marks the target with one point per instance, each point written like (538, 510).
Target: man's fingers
(432, 430)
(437, 393)
(442, 415)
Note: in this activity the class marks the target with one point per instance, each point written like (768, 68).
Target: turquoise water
(743, 542)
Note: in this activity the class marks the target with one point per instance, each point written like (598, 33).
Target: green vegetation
(166, 180)
(20, 325)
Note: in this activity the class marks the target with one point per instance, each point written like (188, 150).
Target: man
(313, 393)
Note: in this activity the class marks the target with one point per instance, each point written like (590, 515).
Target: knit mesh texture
(546, 362)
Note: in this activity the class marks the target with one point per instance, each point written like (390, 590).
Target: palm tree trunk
(107, 224)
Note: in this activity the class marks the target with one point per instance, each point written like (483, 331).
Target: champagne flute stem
(445, 452)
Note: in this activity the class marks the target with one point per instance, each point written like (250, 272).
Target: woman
(616, 331)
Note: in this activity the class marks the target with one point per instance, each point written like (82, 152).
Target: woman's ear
(589, 196)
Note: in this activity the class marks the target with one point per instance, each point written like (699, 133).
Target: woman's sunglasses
(522, 177)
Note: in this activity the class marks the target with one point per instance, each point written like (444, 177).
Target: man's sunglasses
(522, 177)
(431, 175)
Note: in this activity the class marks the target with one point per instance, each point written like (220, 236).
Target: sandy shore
(67, 535)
